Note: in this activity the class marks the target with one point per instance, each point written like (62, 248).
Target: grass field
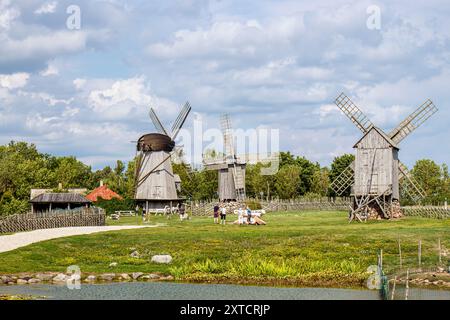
(307, 248)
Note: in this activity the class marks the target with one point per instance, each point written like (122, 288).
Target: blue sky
(269, 64)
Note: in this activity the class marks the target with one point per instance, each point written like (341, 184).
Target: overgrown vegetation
(308, 248)
(22, 168)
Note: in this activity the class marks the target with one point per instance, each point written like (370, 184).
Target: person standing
(216, 214)
(223, 215)
(181, 211)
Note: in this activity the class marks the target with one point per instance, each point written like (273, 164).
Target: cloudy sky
(269, 64)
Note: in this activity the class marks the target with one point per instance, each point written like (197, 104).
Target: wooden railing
(47, 220)
(435, 212)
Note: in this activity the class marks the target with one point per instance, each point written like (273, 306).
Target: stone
(167, 278)
(108, 276)
(113, 264)
(135, 254)
(125, 276)
(59, 278)
(154, 276)
(22, 281)
(90, 278)
(34, 281)
(45, 276)
(440, 269)
(5, 279)
(162, 258)
(136, 275)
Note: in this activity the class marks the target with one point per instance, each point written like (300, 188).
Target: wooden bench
(128, 213)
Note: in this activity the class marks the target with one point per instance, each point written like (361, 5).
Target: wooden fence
(325, 204)
(48, 220)
(427, 211)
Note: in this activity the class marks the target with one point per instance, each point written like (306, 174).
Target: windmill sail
(353, 112)
(413, 121)
(409, 184)
(345, 180)
(225, 123)
(179, 122)
(156, 122)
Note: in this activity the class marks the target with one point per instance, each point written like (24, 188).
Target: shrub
(253, 204)
(110, 206)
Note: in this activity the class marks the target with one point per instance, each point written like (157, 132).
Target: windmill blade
(344, 180)
(409, 184)
(225, 123)
(413, 121)
(156, 122)
(179, 122)
(353, 112)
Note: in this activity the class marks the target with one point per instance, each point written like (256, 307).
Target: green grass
(307, 248)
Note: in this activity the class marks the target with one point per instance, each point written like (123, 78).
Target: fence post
(420, 253)
(440, 251)
(400, 252)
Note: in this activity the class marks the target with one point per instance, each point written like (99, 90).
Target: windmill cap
(155, 142)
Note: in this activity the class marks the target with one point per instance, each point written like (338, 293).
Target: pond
(186, 291)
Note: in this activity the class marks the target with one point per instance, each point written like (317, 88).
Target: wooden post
(381, 258)
(440, 251)
(400, 253)
(420, 253)
(407, 285)
(393, 288)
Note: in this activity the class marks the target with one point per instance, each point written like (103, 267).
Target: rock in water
(162, 258)
(61, 277)
(125, 276)
(108, 276)
(136, 275)
(22, 281)
(45, 276)
(34, 280)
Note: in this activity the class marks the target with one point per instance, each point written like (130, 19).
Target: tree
(287, 181)
(431, 178)
(320, 181)
(338, 165)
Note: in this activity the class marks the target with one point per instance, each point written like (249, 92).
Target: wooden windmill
(155, 185)
(376, 174)
(231, 169)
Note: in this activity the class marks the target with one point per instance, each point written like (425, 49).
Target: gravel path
(22, 239)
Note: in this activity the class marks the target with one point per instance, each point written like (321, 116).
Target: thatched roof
(60, 198)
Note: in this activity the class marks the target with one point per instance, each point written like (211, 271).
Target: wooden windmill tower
(155, 185)
(376, 174)
(231, 169)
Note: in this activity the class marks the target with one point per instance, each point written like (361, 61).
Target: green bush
(110, 206)
(253, 205)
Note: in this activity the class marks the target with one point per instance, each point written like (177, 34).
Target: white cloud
(79, 83)
(128, 98)
(51, 70)
(48, 7)
(7, 14)
(14, 81)
(45, 45)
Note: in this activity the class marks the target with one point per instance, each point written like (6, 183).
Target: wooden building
(48, 202)
(376, 165)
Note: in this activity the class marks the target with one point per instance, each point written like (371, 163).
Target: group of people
(168, 211)
(245, 216)
(220, 210)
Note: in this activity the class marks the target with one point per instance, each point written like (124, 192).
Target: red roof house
(102, 192)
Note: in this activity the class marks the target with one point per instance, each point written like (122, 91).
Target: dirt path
(22, 239)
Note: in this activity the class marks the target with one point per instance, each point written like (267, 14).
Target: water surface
(184, 291)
